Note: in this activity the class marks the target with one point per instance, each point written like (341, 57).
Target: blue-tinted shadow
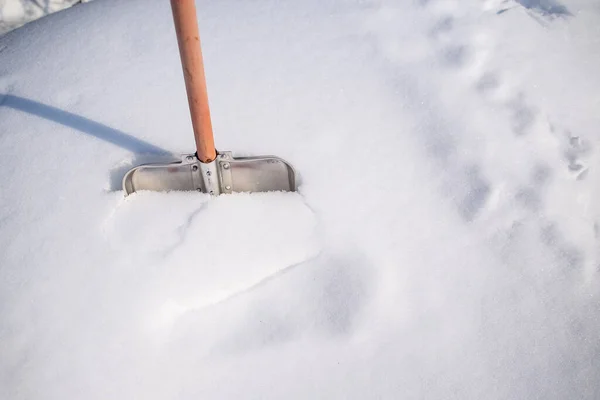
(81, 124)
(546, 7)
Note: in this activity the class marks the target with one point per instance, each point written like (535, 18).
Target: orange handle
(188, 38)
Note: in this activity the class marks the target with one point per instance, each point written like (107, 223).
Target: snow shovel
(207, 170)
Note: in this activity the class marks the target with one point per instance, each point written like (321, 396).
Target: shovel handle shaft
(188, 38)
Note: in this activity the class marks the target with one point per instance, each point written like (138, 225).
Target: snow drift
(15, 13)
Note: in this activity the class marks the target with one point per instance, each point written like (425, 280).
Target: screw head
(227, 187)
(226, 165)
(189, 158)
(195, 168)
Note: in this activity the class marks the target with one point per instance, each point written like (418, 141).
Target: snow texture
(15, 13)
(443, 244)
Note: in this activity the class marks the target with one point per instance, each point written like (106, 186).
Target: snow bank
(443, 243)
(15, 13)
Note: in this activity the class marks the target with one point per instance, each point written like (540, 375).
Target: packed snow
(443, 243)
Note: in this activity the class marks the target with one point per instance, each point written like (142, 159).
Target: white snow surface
(443, 243)
(15, 13)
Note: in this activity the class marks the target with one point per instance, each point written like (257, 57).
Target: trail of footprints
(466, 53)
(464, 49)
(528, 120)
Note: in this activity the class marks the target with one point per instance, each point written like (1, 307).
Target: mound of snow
(443, 243)
(15, 13)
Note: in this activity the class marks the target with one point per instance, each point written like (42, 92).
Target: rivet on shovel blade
(248, 174)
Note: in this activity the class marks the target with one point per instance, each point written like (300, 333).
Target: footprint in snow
(442, 26)
(475, 192)
(522, 116)
(455, 56)
(487, 83)
(575, 151)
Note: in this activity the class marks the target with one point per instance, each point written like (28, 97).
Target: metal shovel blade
(225, 174)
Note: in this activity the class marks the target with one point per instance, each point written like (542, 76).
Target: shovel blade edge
(242, 174)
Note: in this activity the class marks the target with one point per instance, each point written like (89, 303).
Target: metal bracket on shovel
(226, 174)
(206, 171)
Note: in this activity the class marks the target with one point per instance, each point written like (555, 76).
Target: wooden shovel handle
(188, 38)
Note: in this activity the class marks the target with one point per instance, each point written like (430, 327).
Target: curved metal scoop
(225, 174)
